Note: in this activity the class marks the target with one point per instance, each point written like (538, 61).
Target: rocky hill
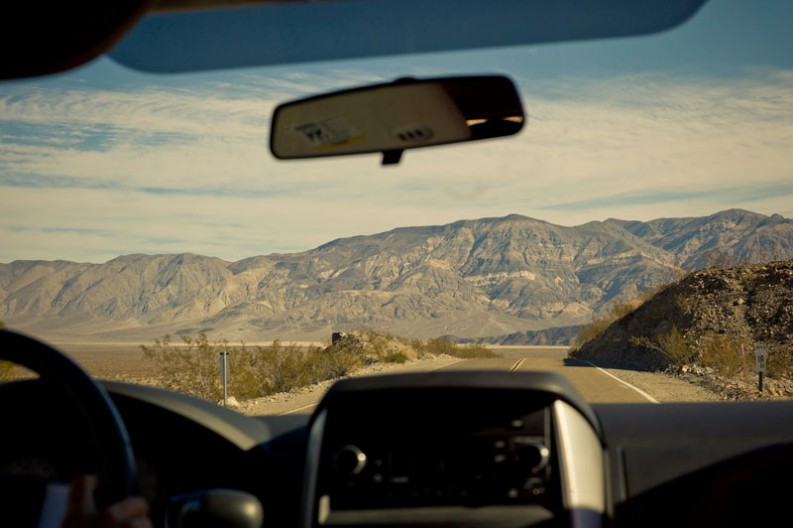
(472, 279)
(710, 322)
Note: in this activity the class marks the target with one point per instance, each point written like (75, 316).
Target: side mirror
(393, 117)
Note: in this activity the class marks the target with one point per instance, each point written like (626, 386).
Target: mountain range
(471, 279)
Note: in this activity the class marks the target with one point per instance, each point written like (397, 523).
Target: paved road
(596, 385)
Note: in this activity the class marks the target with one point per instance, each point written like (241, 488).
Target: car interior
(479, 448)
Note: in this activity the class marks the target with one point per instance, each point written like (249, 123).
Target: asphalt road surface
(597, 385)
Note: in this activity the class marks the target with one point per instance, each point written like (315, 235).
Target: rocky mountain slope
(472, 278)
(710, 323)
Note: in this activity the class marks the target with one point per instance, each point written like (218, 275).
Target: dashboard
(452, 449)
(455, 449)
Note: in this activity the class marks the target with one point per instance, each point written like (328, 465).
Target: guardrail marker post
(224, 375)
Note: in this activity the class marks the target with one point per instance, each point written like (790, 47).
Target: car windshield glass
(139, 205)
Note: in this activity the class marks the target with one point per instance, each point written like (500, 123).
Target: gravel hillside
(718, 310)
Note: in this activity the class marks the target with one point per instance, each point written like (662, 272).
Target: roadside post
(224, 375)
(761, 357)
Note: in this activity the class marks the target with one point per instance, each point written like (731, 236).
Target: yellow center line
(517, 365)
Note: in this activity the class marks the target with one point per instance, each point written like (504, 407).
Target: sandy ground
(111, 361)
(664, 388)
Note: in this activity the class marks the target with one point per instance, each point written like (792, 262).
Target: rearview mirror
(393, 117)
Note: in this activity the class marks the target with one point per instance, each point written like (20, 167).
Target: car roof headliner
(174, 35)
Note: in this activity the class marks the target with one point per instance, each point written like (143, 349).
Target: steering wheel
(115, 462)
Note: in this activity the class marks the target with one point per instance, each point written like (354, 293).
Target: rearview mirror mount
(393, 117)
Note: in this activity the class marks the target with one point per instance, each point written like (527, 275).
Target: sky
(104, 161)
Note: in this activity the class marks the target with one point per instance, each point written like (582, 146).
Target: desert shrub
(439, 346)
(674, 346)
(325, 364)
(191, 366)
(728, 354)
(395, 357)
(621, 307)
(443, 345)
(677, 347)
(418, 346)
(279, 368)
(779, 361)
(286, 371)
(378, 341)
(253, 369)
(473, 351)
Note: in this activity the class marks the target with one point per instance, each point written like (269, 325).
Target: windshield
(140, 205)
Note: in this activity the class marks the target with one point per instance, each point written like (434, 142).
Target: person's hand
(81, 511)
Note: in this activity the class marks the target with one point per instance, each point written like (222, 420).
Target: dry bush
(728, 354)
(418, 346)
(254, 371)
(395, 357)
(332, 363)
(379, 342)
(677, 347)
(780, 361)
(438, 346)
(191, 367)
(474, 351)
(442, 345)
(284, 369)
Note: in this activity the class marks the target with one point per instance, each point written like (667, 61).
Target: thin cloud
(187, 169)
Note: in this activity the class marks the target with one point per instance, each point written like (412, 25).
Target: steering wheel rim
(116, 464)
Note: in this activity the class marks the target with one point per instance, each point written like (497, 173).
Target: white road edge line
(446, 365)
(607, 373)
(299, 408)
